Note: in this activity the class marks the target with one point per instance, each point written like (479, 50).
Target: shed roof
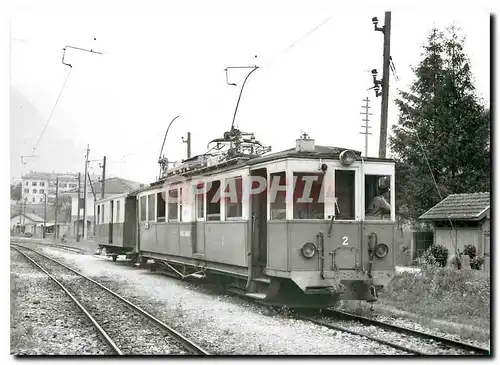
(31, 216)
(114, 185)
(472, 206)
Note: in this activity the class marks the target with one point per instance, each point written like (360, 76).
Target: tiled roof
(460, 207)
(114, 185)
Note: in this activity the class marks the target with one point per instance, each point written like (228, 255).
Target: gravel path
(221, 324)
(44, 320)
(132, 332)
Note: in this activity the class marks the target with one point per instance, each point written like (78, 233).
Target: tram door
(259, 223)
(111, 214)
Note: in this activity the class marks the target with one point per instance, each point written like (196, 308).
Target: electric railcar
(303, 227)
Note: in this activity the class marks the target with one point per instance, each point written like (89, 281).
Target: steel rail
(89, 316)
(408, 331)
(188, 344)
(343, 329)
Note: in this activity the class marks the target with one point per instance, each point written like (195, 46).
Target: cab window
(307, 200)
(377, 197)
(345, 194)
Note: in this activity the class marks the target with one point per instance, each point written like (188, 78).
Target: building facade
(36, 184)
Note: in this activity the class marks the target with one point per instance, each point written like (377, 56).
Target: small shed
(463, 219)
(24, 223)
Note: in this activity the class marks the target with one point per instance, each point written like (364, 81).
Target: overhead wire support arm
(78, 49)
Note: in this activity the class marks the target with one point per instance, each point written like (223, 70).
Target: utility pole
(188, 142)
(44, 215)
(56, 208)
(386, 29)
(78, 209)
(103, 176)
(93, 193)
(366, 126)
(85, 195)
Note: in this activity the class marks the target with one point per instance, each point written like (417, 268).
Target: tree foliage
(16, 192)
(441, 115)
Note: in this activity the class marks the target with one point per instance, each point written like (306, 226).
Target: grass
(453, 301)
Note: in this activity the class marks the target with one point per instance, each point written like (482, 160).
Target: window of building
(33, 183)
(42, 183)
(160, 207)
(199, 200)
(173, 210)
(377, 197)
(33, 200)
(27, 183)
(233, 195)
(27, 191)
(344, 194)
(41, 200)
(307, 202)
(180, 204)
(213, 201)
(277, 195)
(42, 191)
(143, 208)
(117, 211)
(34, 191)
(98, 214)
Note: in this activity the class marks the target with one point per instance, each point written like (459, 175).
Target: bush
(476, 263)
(469, 250)
(456, 262)
(440, 254)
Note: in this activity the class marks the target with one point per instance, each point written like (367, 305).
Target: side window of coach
(142, 204)
(277, 195)
(307, 202)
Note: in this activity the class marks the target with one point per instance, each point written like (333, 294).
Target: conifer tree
(441, 115)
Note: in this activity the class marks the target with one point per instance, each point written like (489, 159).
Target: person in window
(380, 205)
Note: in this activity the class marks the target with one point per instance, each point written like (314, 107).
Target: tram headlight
(347, 157)
(308, 250)
(381, 250)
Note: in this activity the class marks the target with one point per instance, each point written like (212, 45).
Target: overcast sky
(160, 62)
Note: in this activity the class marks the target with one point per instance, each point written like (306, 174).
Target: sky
(168, 61)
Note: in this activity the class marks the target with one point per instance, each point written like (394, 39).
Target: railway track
(407, 340)
(128, 329)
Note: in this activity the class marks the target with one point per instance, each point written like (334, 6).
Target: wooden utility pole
(85, 195)
(103, 176)
(95, 198)
(188, 142)
(56, 209)
(386, 29)
(44, 215)
(78, 209)
(366, 126)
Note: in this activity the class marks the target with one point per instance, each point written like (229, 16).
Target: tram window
(143, 209)
(377, 197)
(180, 204)
(151, 207)
(98, 214)
(172, 205)
(199, 198)
(307, 203)
(233, 197)
(213, 201)
(344, 193)
(160, 207)
(102, 212)
(117, 211)
(277, 196)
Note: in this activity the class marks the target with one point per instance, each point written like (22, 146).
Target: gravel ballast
(221, 324)
(130, 331)
(44, 319)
